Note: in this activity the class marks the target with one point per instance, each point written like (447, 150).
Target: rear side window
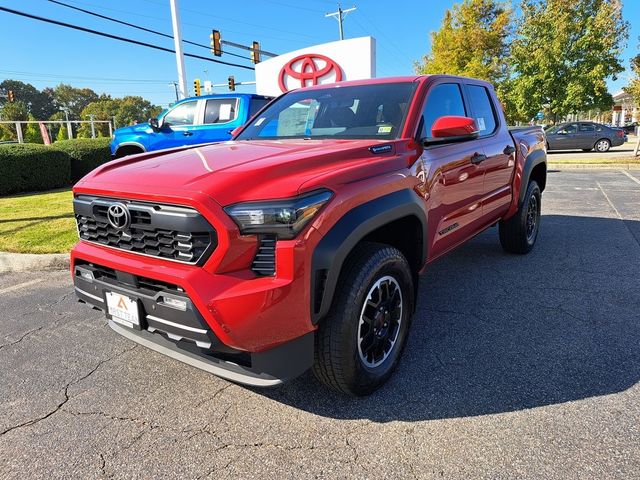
(587, 127)
(220, 110)
(256, 105)
(483, 111)
(444, 99)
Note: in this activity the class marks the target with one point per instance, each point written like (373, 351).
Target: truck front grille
(174, 233)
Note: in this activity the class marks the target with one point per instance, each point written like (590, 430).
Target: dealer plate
(123, 309)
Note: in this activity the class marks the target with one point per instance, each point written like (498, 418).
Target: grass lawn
(37, 223)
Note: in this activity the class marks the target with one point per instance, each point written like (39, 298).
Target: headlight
(284, 218)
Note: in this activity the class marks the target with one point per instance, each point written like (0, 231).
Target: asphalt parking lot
(516, 367)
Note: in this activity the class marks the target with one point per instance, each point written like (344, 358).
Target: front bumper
(184, 334)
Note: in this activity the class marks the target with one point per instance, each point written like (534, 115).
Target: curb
(23, 262)
(593, 166)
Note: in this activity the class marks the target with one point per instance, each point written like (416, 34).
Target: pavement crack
(65, 395)
(24, 335)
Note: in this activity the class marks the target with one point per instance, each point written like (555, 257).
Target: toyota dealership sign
(353, 59)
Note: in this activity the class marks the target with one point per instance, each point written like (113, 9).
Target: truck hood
(138, 128)
(232, 172)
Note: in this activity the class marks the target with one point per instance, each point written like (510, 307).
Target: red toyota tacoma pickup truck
(298, 244)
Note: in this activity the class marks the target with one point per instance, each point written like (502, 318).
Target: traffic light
(232, 83)
(216, 45)
(255, 52)
(197, 90)
(10, 95)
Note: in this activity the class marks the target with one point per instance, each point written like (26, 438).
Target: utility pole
(177, 40)
(339, 16)
(175, 87)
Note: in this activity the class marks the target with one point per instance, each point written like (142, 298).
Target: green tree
(62, 133)
(16, 111)
(32, 132)
(127, 111)
(633, 88)
(73, 99)
(562, 55)
(39, 103)
(472, 41)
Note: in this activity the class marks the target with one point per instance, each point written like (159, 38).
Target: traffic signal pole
(177, 40)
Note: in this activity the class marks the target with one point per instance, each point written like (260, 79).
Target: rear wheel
(359, 344)
(518, 234)
(603, 145)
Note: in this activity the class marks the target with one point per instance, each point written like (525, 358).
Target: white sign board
(353, 59)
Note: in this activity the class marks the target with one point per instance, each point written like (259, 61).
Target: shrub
(32, 167)
(85, 153)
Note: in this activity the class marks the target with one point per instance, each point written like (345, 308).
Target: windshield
(362, 111)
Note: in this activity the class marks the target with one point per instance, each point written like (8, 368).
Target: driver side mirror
(153, 122)
(452, 128)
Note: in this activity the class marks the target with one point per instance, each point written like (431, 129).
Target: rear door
(219, 117)
(455, 182)
(564, 137)
(498, 147)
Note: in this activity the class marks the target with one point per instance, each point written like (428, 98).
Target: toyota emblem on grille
(118, 216)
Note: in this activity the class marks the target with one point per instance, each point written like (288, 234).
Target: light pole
(177, 40)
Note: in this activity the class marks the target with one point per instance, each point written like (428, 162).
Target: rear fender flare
(331, 252)
(534, 159)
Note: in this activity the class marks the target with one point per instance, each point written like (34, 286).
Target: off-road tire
(515, 233)
(338, 358)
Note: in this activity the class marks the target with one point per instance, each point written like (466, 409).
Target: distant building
(625, 110)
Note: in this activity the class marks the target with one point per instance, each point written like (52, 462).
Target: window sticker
(481, 126)
(259, 122)
(385, 129)
(225, 111)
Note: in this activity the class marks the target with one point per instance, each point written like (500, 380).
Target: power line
(116, 37)
(133, 25)
(76, 77)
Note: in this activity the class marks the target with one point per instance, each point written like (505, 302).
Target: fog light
(86, 275)
(175, 303)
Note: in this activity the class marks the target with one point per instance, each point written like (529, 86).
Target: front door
(177, 127)
(454, 179)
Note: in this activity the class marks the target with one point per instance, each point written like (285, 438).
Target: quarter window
(182, 114)
(444, 99)
(220, 110)
(483, 112)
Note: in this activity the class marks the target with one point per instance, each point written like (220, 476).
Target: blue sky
(46, 55)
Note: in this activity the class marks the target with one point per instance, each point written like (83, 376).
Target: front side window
(182, 114)
(571, 128)
(376, 111)
(483, 111)
(220, 110)
(444, 100)
(256, 105)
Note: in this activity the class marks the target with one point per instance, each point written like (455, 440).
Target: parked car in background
(631, 128)
(585, 136)
(191, 121)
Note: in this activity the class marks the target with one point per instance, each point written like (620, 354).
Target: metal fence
(93, 123)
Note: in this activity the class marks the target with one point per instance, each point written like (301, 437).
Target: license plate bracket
(123, 309)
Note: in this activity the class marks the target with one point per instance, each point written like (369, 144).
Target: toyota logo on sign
(118, 216)
(308, 70)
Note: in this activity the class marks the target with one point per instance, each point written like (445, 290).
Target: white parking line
(609, 200)
(631, 177)
(21, 285)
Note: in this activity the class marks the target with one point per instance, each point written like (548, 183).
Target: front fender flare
(331, 252)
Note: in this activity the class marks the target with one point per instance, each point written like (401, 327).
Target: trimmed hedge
(85, 153)
(30, 167)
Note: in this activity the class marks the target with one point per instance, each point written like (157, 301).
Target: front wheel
(603, 145)
(518, 234)
(359, 344)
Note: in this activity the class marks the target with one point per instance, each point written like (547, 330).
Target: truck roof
(224, 95)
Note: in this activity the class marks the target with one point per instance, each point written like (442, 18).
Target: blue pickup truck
(191, 121)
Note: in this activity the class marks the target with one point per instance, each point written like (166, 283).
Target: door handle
(509, 149)
(187, 134)
(478, 158)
